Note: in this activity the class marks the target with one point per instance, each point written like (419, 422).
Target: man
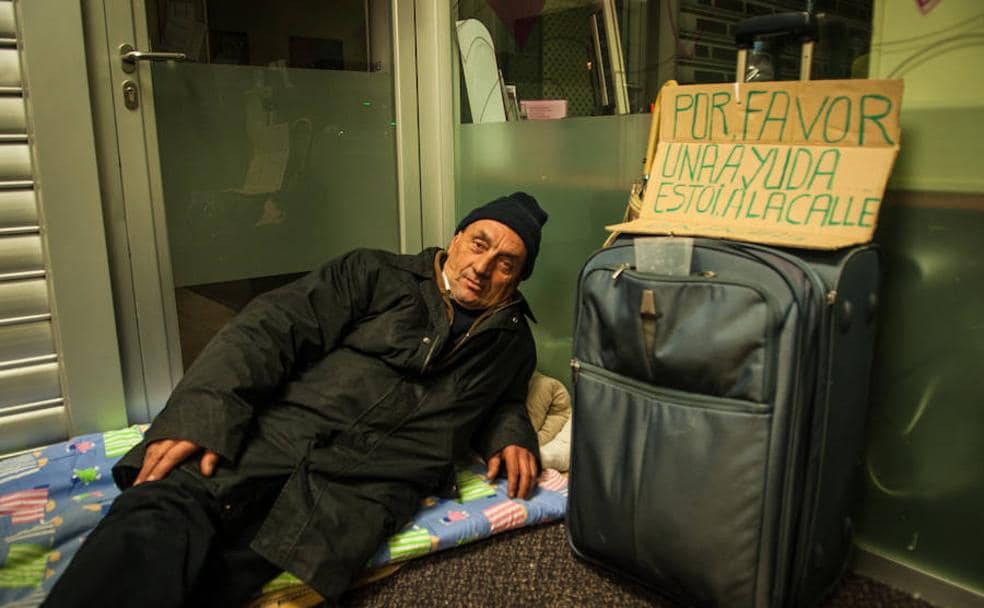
(310, 428)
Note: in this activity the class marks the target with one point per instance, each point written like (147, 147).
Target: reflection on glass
(276, 144)
(554, 58)
(583, 186)
(309, 34)
(571, 58)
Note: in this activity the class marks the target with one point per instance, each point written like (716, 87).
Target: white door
(280, 141)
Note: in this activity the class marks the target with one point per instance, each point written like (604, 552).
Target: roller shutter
(32, 408)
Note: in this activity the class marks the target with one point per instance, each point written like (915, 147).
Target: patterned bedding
(52, 497)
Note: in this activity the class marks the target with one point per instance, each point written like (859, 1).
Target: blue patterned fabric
(50, 498)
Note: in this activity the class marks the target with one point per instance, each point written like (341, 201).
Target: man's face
(485, 261)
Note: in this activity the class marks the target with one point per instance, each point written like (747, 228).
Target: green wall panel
(924, 497)
(938, 149)
(581, 170)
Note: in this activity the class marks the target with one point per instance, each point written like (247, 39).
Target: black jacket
(345, 381)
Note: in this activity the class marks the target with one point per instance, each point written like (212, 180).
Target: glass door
(257, 140)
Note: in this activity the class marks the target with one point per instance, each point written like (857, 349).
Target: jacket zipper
(481, 320)
(430, 353)
(468, 334)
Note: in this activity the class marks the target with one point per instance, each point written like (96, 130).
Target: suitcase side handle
(802, 25)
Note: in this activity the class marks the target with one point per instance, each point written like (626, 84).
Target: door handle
(129, 57)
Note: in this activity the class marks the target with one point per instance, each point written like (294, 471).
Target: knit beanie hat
(519, 211)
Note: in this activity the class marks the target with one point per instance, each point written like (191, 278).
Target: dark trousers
(172, 542)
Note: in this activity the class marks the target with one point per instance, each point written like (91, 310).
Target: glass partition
(271, 171)
(580, 170)
(277, 145)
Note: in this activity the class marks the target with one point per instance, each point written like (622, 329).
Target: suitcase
(718, 420)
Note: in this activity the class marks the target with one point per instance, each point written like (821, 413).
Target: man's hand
(163, 455)
(520, 469)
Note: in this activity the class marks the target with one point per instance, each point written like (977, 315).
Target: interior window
(568, 58)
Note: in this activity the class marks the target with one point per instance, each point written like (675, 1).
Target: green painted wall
(940, 56)
(924, 497)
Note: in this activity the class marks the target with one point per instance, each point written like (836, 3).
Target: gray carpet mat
(535, 567)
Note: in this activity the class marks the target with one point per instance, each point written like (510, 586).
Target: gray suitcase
(718, 419)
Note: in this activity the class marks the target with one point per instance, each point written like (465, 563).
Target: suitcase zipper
(746, 250)
(710, 277)
(822, 305)
(619, 270)
(644, 389)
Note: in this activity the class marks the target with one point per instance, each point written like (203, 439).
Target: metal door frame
(130, 177)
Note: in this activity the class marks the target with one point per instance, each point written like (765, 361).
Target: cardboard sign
(802, 164)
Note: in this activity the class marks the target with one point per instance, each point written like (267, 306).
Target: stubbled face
(485, 261)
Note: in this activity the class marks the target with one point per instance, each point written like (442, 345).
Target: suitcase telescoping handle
(801, 25)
